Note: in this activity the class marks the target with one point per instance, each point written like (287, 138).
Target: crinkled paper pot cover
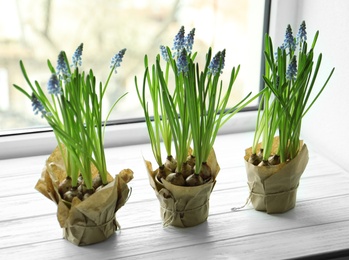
(182, 206)
(274, 188)
(89, 221)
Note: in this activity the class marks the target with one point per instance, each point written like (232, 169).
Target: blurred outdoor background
(37, 30)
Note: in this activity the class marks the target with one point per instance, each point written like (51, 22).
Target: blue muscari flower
(53, 86)
(189, 40)
(117, 59)
(77, 59)
(61, 68)
(291, 71)
(215, 65)
(182, 62)
(289, 42)
(223, 60)
(37, 106)
(164, 53)
(179, 43)
(282, 47)
(302, 34)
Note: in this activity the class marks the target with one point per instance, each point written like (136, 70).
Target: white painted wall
(326, 126)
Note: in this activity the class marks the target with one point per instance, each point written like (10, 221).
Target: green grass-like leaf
(76, 119)
(285, 101)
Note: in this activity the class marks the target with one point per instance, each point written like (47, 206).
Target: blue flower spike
(302, 34)
(215, 66)
(61, 68)
(223, 60)
(189, 41)
(164, 53)
(37, 106)
(291, 73)
(53, 86)
(179, 43)
(77, 57)
(117, 59)
(182, 62)
(282, 47)
(289, 42)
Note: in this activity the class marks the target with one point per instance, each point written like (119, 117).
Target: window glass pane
(37, 30)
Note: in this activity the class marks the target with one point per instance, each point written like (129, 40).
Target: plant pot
(273, 189)
(93, 219)
(183, 206)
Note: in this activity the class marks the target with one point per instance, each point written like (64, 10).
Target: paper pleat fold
(274, 188)
(93, 219)
(183, 206)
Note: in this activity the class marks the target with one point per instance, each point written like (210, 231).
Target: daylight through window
(34, 31)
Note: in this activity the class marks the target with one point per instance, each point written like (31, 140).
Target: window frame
(41, 140)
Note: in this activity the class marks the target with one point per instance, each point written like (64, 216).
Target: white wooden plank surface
(318, 224)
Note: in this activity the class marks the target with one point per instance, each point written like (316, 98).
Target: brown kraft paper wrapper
(89, 221)
(182, 206)
(274, 188)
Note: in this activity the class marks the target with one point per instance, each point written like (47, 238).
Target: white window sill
(318, 224)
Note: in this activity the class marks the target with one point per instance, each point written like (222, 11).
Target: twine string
(248, 200)
(174, 211)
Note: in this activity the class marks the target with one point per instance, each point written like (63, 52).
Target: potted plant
(75, 175)
(187, 118)
(274, 165)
